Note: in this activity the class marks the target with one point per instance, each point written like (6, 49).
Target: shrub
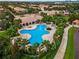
(49, 28)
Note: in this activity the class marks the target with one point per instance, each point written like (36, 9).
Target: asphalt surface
(76, 42)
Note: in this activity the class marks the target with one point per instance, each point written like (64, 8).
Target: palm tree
(47, 44)
(5, 48)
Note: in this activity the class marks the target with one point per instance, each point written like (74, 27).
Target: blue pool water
(36, 34)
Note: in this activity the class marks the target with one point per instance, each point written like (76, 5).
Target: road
(76, 42)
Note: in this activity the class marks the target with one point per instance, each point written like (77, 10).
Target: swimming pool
(36, 34)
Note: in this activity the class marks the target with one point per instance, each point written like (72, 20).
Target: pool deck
(30, 27)
(26, 36)
(45, 37)
(50, 35)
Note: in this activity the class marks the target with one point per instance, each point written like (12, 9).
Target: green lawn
(70, 51)
(3, 34)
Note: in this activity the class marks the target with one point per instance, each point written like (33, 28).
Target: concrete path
(62, 48)
(52, 32)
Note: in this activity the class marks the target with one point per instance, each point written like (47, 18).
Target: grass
(3, 34)
(70, 50)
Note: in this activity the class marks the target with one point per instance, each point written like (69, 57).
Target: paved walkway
(62, 48)
(51, 34)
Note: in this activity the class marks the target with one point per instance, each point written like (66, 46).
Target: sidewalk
(62, 48)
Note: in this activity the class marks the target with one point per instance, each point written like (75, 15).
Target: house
(28, 18)
(19, 9)
(76, 22)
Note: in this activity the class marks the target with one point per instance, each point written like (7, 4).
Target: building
(75, 22)
(28, 18)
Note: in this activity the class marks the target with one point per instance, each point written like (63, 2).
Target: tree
(43, 14)
(11, 31)
(47, 19)
(30, 10)
(17, 22)
(47, 44)
(5, 48)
